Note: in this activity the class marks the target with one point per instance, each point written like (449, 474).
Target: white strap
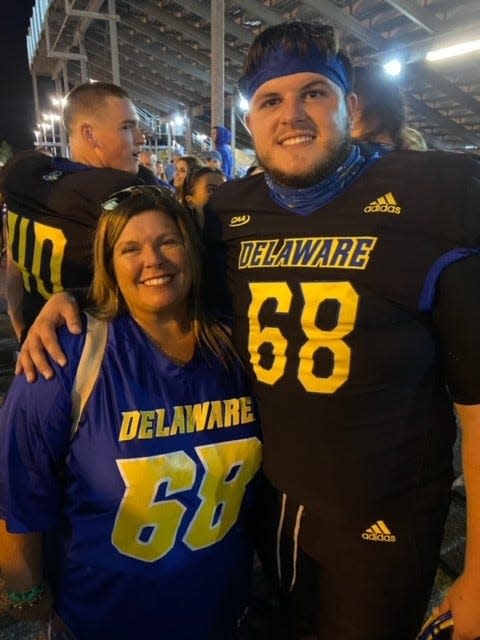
(88, 367)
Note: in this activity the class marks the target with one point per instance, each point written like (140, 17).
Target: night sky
(16, 95)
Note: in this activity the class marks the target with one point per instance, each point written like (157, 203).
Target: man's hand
(61, 309)
(463, 601)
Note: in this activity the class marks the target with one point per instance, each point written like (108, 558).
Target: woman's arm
(21, 563)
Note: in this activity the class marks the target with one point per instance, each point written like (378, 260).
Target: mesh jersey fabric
(332, 320)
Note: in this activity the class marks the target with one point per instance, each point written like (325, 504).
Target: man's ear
(88, 134)
(352, 104)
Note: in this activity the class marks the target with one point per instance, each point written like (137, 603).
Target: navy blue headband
(278, 63)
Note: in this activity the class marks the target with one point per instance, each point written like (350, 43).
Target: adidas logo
(237, 221)
(378, 532)
(384, 204)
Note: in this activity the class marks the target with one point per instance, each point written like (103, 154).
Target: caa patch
(52, 176)
(237, 221)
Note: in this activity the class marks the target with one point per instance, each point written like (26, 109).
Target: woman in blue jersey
(147, 490)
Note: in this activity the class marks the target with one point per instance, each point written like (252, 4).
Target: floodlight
(453, 50)
(393, 67)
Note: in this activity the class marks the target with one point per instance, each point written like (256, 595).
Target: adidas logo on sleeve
(384, 204)
(378, 532)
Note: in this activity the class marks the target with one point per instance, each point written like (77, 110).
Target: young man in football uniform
(53, 203)
(354, 280)
(355, 285)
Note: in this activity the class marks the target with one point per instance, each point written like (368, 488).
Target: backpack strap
(88, 367)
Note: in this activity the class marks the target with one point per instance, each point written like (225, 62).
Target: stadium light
(393, 67)
(57, 102)
(243, 103)
(453, 50)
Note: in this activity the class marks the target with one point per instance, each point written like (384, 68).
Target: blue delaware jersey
(150, 496)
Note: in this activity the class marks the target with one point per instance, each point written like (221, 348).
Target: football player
(53, 203)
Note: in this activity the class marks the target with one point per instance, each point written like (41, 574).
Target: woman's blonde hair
(108, 300)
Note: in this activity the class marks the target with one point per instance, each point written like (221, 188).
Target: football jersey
(332, 315)
(53, 208)
(153, 489)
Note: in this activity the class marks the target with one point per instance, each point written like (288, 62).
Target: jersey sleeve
(457, 317)
(34, 442)
(216, 287)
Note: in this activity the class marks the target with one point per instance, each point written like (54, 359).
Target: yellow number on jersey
(42, 234)
(221, 494)
(281, 294)
(139, 511)
(146, 528)
(314, 294)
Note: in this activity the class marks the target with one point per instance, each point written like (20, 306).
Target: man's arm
(463, 598)
(60, 309)
(457, 318)
(13, 287)
(14, 292)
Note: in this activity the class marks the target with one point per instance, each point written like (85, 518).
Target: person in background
(213, 159)
(183, 168)
(147, 169)
(171, 166)
(149, 160)
(221, 139)
(156, 482)
(161, 171)
(198, 188)
(53, 203)
(381, 115)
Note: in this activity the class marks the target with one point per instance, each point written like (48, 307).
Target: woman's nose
(153, 255)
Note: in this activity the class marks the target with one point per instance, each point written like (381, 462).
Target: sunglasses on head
(437, 627)
(120, 196)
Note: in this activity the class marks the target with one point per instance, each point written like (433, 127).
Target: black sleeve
(82, 296)
(457, 317)
(216, 286)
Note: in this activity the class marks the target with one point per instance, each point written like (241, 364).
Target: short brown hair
(87, 97)
(296, 37)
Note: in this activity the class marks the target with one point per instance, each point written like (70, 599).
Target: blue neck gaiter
(306, 200)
